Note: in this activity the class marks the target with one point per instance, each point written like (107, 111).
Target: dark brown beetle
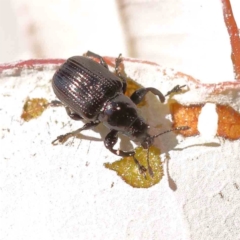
(89, 91)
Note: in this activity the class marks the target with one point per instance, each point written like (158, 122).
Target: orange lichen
(132, 86)
(33, 108)
(228, 122)
(186, 116)
(234, 36)
(127, 169)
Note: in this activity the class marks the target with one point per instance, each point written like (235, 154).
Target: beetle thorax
(121, 114)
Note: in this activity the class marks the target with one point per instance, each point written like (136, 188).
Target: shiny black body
(94, 93)
(89, 91)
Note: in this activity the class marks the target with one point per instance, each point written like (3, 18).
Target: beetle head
(147, 142)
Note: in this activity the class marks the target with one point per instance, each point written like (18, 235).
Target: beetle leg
(176, 89)
(119, 74)
(56, 103)
(139, 94)
(72, 114)
(94, 55)
(111, 140)
(65, 137)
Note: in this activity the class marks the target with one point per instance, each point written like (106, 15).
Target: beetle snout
(147, 142)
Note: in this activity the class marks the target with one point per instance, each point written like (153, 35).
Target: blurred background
(189, 36)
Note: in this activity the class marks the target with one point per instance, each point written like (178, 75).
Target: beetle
(89, 91)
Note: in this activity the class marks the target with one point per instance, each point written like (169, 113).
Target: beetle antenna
(150, 171)
(171, 130)
(154, 136)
